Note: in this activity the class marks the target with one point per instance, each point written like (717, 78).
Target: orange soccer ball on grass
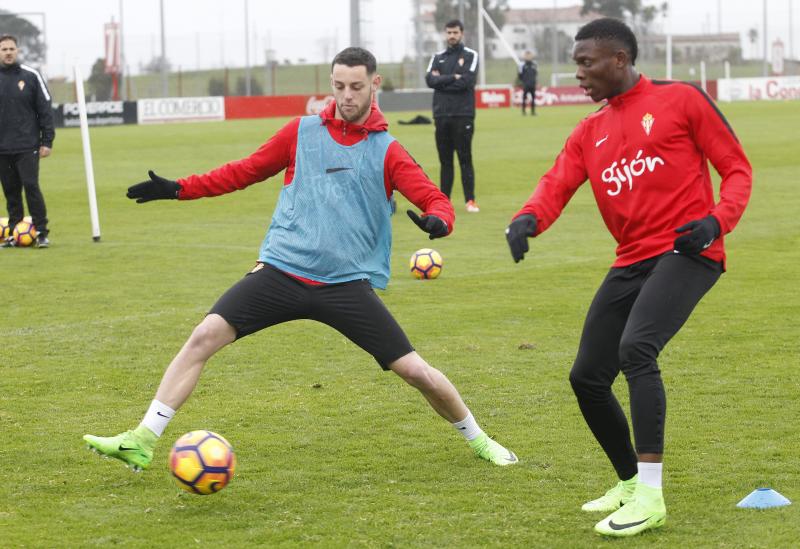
(426, 264)
(5, 230)
(202, 462)
(24, 234)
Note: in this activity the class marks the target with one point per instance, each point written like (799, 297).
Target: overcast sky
(201, 34)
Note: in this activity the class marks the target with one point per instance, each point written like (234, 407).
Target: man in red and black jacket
(645, 154)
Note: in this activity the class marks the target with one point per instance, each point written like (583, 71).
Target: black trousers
(454, 134)
(526, 90)
(636, 311)
(18, 172)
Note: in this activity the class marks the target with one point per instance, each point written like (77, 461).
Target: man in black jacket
(451, 74)
(26, 134)
(528, 71)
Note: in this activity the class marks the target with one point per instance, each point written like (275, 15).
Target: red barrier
(489, 98)
(573, 95)
(273, 106)
(558, 95)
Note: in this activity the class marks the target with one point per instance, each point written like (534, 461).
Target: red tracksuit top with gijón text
(645, 154)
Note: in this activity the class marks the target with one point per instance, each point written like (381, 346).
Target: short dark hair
(356, 57)
(454, 23)
(9, 37)
(608, 28)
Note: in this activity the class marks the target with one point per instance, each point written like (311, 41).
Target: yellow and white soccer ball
(426, 264)
(202, 462)
(5, 230)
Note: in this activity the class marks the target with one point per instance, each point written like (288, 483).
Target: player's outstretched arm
(517, 234)
(157, 188)
(435, 227)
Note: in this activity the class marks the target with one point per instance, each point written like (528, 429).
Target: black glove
(517, 235)
(702, 232)
(431, 224)
(157, 188)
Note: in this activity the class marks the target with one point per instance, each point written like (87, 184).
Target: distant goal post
(556, 78)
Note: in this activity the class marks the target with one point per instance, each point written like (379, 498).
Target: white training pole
(703, 75)
(481, 46)
(87, 155)
(669, 41)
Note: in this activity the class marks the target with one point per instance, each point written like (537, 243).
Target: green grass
(332, 452)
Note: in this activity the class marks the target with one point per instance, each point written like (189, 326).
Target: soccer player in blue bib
(327, 247)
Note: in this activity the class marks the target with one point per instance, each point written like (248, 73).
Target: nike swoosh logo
(334, 170)
(125, 448)
(614, 526)
(162, 415)
(463, 428)
(600, 142)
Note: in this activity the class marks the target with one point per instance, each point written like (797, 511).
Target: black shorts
(267, 296)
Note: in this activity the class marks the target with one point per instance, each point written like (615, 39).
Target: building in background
(532, 28)
(430, 38)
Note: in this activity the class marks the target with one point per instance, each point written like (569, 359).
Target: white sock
(650, 473)
(157, 417)
(468, 427)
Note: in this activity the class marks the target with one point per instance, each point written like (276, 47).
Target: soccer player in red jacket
(327, 247)
(645, 154)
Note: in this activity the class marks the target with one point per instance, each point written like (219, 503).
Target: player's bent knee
(413, 369)
(587, 387)
(637, 357)
(213, 332)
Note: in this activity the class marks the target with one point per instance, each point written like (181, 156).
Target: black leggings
(636, 311)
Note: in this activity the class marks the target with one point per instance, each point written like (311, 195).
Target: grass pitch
(332, 452)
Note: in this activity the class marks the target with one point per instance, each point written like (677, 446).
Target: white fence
(777, 88)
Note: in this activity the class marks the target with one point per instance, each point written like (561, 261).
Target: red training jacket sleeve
(715, 137)
(402, 172)
(272, 157)
(557, 186)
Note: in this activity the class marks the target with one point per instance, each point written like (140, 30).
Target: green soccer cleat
(134, 448)
(615, 498)
(486, 448)
(645, 511)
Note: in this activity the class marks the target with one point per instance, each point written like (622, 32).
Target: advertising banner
(777, 88)
(555, 95)
(98, 113)
(490, 98)
(180, 109)
(273, 106)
